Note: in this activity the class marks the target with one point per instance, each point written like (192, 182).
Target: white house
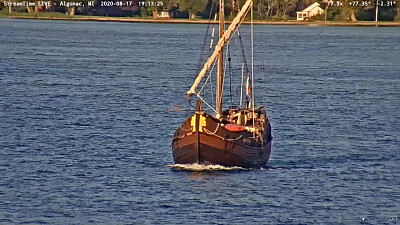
(310, 11)
(163, 14)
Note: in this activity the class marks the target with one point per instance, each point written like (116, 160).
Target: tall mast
(376, 11)
(220, 76)
(227, 35)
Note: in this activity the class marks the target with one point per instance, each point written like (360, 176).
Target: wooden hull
(216, 145)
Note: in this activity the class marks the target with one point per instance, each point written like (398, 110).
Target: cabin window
(300, 15)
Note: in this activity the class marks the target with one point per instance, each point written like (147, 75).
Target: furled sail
(235, 22)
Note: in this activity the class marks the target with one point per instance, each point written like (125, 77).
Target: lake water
(85, 130)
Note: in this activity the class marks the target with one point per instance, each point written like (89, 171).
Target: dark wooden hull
(216, 145)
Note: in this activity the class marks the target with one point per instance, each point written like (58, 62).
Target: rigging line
(216, 129)
(238, 25)
(252, 64)
(242, 47)
(218, 48)
(187, 123)
(209, 75)
(202, 99)
(202, 50)
(211, 87)
(241, 86)
(233, 91)
(238, 102)
(223, 79)
(216, 135)
(228, 41)
(243, 53)
(229, 71)
(187, 111)
(209, 53)
(190, 104)
(233, 34)
(212, 36)
(205, 40)
(237, 30)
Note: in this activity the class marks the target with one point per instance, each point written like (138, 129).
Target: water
(85, 128)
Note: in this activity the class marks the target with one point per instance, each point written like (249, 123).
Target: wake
(198, 167)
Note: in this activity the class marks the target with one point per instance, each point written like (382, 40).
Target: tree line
(286, 9)
(280, 10)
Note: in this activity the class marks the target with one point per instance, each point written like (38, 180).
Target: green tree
(288, 6)
(398, 11)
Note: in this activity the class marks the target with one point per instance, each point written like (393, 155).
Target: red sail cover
(234, 127)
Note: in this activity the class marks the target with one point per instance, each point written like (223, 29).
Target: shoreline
(186, 21)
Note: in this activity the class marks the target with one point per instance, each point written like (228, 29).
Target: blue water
(85, 128)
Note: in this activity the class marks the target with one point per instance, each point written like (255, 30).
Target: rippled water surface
(85, 130)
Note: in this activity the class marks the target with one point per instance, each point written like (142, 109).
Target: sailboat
(238, 136)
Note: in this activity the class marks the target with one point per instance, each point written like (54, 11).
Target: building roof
(311, 7)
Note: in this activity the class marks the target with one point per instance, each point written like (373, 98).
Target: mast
(220, 76)
(376, 11)
(226, 36)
